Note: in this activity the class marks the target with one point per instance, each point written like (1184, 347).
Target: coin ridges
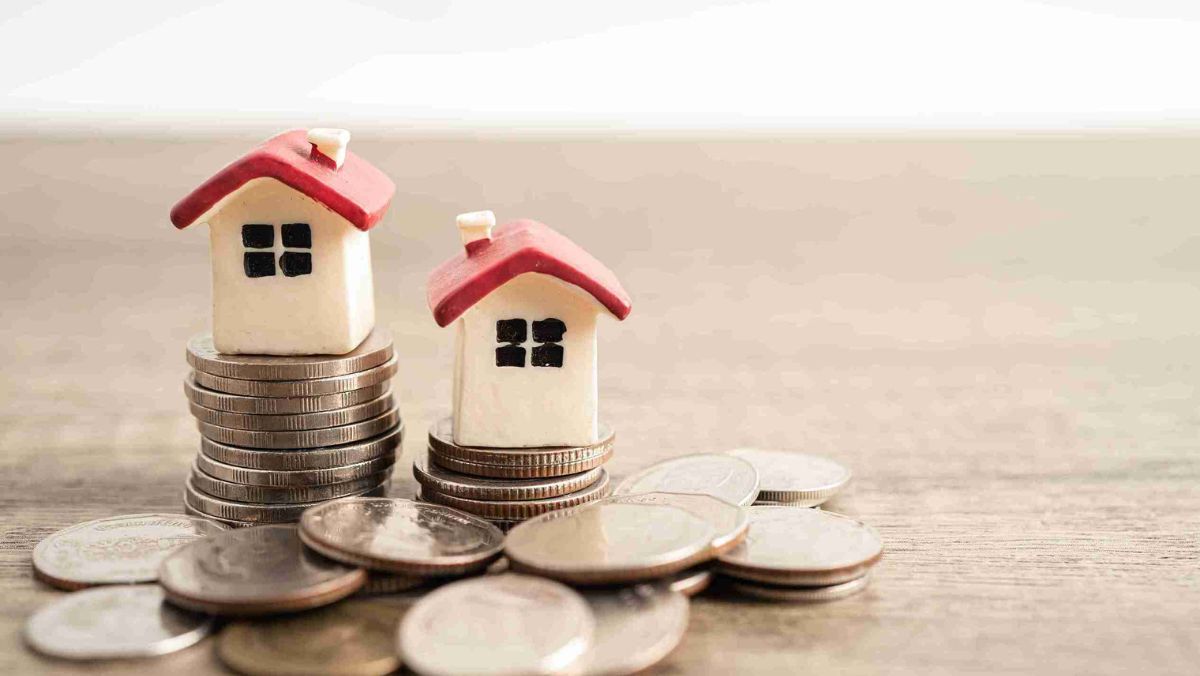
(327, 457)
(245, 511)
(373, 351)
(517, 471)
(461, 485)
(297, 388)
(293, 422)
(227, 490)
(294, 478)
(441, 440)
(515, 510)
(240, 403)
(330, 436)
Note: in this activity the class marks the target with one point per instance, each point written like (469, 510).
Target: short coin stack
(281, 434)
(509, 485)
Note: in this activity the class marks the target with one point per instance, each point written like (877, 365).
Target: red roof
(516, 248)
(358, 191)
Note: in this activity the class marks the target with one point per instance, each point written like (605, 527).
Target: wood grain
(998, 336)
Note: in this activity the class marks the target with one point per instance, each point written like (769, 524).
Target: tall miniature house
(291, 258)
(525, 301)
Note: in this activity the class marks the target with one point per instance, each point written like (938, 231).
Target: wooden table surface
(998, 335)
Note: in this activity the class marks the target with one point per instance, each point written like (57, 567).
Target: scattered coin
(118, 550)
(636, 628)
(114, 622)
(518, 471)
(401, 536)
(516, 510)
(355, 638)
(730, 522)
(293, 478)
(798, 479)
(254, 512)
(455, 484)
(297, 421)
(497, 625)
(203, 356)
(789, 594)
(239, 403)
(297, 388)
(228, 490)
(327, 457)
(301, 439)
(610, 543)
(691, 581)
(802, 547)
(255, 571)
(441, 440)
(722, 476)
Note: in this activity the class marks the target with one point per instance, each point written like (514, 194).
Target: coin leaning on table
(114, 622)
(325, 457)
(730, 522)
(117, 550)
(636, 628)
(300, 439)
(297, 388)
(294, 422)
(255, 571)
(722, 476)
(293, 478)
(515, 510)
(797, 479)
(456, 484)
(240, 403)
(500, 625)
(375, 349)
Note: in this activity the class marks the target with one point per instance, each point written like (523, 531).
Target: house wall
(329, 311)
(529, 406)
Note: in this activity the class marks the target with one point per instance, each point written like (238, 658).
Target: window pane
(297, 235)
(259, 263)
(294, 263)
(548, 331)
(550, 355)
(510, 355)
(258, 236)
(511, 331)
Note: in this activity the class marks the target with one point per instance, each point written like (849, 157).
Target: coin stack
(509, 485)
(280, 434)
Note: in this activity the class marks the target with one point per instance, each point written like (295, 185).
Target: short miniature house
(526, 300)
(291, 259)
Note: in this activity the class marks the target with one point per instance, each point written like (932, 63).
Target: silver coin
(510, 471)
(689, 582)
(112, 623)
(118, 550)
(302, 439)
(441, 440)
(401, 536)
(232, 510)
(239, 403)
(722, 476)
(497, 625)
(255, 571)
(810, 547)
(293, 478)
(227, 490)
(610, 543)
(730, 522)
(460, 485)
(328, 457)
(294, 422)
(373, 351)
(786, 594)
(515, 510)
(297, 388)
(798, 479)
(636, 628)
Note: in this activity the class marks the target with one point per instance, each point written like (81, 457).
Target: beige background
(998, 334)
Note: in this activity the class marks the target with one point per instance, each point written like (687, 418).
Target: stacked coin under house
(281, 434)
(509, 485)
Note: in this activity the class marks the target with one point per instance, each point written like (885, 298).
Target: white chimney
(331, 143)
(475, 227)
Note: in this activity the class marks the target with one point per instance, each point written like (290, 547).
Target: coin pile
(281, 434)
(509, 485)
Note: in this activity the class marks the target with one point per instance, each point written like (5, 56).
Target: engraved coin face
(401, 536)
(373, 351)
(114, 622)
(610, 542)
(786, 594)
(119, 550)
(498, 625)
(722, 476)
(730, 522)
(254, 571)
(354, 637)
(636, 627)
(799, 479)
(808, 547)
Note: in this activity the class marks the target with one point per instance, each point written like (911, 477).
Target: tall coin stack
(281, 434)
(509, 485)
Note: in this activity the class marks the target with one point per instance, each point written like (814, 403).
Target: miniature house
(525, 300)
(291, 259)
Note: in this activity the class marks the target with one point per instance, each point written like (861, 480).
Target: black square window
(511, 331)
(550, 355)
(258, 236)
(259, 263)
(510, 355)
(548, 331)
(294, 263)
(297, 235)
